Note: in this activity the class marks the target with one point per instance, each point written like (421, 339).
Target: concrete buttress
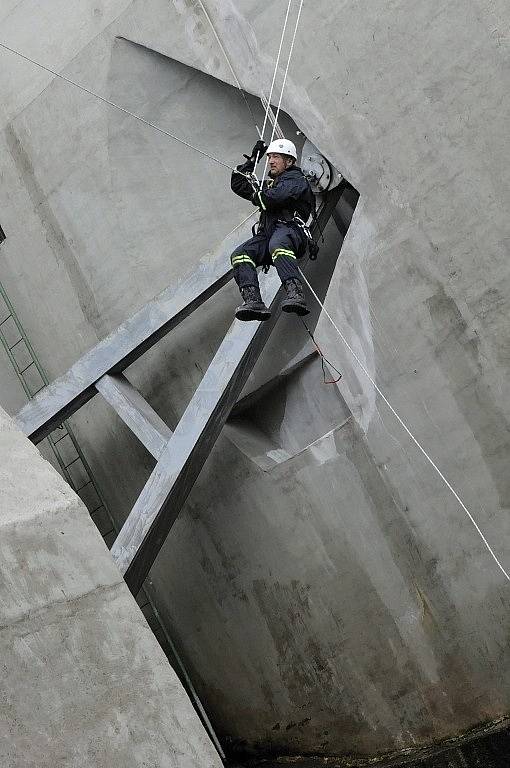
(84, 681)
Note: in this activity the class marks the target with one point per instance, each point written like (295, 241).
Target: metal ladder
(62, 441)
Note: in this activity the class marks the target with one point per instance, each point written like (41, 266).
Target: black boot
(295, 301)
(253, 307)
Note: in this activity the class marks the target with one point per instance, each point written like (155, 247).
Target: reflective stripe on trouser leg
(283, 252)
(241, 258)
(285, 263)
(245, 272)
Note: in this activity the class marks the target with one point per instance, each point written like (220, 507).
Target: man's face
(278, 163)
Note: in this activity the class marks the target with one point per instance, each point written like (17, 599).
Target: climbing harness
(313, 248)
(323, 358)
(406, 428)
(311, 243)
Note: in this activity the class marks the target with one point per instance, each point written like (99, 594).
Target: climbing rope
(284, 79)
(158, 128)
(323, 358)
(229, 63)
(278, 130)
(117, 106)
(406, 428)
(237, 81)
(268, 107)
(237, 226)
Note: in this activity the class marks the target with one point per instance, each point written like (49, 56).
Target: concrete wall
(338, 601)
(84, 681)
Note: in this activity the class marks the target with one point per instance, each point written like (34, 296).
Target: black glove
(247, 167)
(258, 151)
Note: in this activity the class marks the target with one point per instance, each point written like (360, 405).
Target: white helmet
(282, 147)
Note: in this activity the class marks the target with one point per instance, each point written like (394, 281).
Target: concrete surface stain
(458, 354)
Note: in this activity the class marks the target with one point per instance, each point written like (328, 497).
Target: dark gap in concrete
(491, 750)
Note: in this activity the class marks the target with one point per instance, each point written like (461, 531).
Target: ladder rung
(16, 344)
(28, 366)
(5, 320)
(58, 438)
(97, 509)
(72, 462)
(77, 490)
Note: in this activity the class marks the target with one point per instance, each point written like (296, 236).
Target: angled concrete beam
(164, 494)
(114, 354)
(135, 412)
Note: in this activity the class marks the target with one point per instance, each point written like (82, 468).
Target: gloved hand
(247, 167)
(258, 151)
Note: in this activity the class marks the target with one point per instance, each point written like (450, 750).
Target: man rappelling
(285, 201)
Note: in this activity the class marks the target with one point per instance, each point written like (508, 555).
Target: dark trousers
(281, 249)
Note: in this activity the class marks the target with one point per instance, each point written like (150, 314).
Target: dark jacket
(280, 198)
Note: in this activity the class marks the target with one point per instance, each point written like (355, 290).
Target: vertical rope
(227, 59)
(284, 79)
(407, 430)
(272, 83)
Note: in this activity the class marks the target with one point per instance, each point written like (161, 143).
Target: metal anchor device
(319, 171)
